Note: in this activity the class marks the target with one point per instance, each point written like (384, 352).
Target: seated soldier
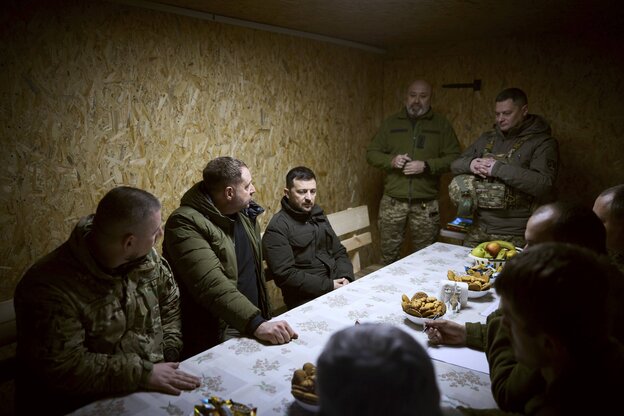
(376, 369)
(559, 221)
(100, 315)
(303, 253)
(558, 328)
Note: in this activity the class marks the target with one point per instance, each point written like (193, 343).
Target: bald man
(412, 148)
(512, 384)
(566, 222)
(609, 207)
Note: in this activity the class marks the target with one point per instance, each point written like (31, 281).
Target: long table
(252, 373)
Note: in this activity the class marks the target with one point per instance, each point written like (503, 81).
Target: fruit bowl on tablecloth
(494, 252)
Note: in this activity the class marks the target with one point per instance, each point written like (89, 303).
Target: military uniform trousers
(395, 215)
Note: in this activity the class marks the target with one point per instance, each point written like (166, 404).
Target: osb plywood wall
(96, 95)
(575, 81)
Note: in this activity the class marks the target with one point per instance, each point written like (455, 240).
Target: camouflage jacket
(429, 138)
(532, 170)
(83, 334)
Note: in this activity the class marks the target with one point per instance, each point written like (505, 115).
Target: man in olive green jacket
(212, 242)
(413, 148)
(100, 315)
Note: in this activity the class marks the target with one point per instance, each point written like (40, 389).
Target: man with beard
(212, 242)
(512, 169)
(100, 315)
(302, 251)
(413, 148)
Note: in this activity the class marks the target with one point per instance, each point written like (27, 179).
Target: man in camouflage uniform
(413, 147)
(100, 316)
(514, 168)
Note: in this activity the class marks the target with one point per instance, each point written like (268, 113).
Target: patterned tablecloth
(249, 372)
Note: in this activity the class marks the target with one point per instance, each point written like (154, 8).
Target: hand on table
(340, 282)
(166, 378)
(278, 332)
(443, 332)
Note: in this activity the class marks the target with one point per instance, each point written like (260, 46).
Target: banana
(508, 250)
(479, 252)
(505, 244)
(502, 254)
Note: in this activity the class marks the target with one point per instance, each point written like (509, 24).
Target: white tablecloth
(249, 372)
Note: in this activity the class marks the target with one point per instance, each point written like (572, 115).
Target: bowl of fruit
(495, 252)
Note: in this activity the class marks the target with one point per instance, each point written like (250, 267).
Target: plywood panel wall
(96, 95)
(575, 81)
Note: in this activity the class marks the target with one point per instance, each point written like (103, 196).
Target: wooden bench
(353, 228)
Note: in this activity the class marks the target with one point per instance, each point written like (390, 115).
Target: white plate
(307, 406)
(477, 293)
(417, 320)
(483, 260)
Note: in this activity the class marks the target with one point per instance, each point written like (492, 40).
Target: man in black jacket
(303, 253)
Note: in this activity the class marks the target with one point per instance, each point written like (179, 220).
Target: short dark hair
(547, 281)
(122, 209)
(516, 95)
(374, 369)
(577, 224)
(616, 208)
(222, 172)
(301, 173)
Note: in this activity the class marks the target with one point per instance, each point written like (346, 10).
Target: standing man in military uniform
(512, 169)
(413, 148)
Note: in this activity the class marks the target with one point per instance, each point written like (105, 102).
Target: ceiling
(390, 23)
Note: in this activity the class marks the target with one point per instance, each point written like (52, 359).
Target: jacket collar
(315, 214)
(80, 249)
(197, 198)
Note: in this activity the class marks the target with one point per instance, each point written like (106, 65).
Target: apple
(493, 248)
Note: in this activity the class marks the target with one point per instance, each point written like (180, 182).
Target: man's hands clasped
(409, 166)
(482, 166)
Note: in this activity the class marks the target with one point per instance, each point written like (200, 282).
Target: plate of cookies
(478, 282)
(303, 387)
(421, 307)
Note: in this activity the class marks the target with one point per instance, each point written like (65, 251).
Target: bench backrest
(351, 226)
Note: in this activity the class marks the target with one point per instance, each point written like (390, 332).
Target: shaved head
(418, 98)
